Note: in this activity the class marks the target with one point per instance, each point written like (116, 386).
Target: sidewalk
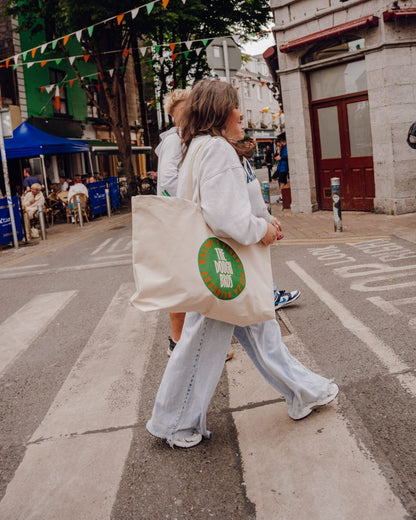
(320, 225)
(296, 228)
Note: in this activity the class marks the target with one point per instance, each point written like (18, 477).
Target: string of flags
(90, 29)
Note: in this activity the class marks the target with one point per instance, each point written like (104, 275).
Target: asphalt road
(79, 369)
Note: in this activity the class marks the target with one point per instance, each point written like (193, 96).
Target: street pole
(45, 180)
(5, 113)
(226, 61)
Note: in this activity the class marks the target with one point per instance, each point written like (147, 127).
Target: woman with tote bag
(211, 125)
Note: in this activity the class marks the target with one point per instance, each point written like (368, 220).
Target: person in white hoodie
(169, 152)
(211, 114)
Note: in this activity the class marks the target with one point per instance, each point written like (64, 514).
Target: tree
(106, 45)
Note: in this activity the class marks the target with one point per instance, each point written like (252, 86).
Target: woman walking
(211, 119)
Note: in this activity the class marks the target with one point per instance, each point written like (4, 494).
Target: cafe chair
(72, 207)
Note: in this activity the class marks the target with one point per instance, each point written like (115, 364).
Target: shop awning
(399, 14)
(365, 21)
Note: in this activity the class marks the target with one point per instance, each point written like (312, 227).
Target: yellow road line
(329, 240)
(121, 219)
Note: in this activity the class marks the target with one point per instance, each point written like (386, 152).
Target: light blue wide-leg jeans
(196, 364)
(190, 378)
(299, 385)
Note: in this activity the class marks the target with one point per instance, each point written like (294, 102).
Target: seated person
(32, 199)
(78, 187)
(64, 185)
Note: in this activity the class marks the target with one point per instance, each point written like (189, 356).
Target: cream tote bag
(184, 267)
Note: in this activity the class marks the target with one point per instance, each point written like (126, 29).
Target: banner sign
(6, 233)
(96, 191)
(114, 193)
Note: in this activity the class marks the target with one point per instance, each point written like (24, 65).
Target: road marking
(113, 256)
(66, 269)
(308, 470)
(326, 240)
(74, 462)
(115, 244)
(31, 266)
(384, 353)
(20, 329)
(78, 238)
(101, 246)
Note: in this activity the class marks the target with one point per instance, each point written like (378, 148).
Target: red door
(342, 144)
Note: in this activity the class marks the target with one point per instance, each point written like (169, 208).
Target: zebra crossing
(111, 252)
(74, 459)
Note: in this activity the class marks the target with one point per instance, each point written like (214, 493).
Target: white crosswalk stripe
(77, 454)
(24, 326)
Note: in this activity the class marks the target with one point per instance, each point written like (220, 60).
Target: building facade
(347, 70)
(263, 117)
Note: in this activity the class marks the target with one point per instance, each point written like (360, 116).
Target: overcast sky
(260, 46)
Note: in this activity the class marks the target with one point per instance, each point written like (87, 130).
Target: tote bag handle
(194, 170)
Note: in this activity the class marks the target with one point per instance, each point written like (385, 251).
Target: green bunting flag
(58, 61)
(149, 7)
(186, 54)
(205, 42)
(54, 44)
(90, 30)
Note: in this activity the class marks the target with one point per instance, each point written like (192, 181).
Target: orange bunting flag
(120, 18)
(263, 83)
(165, 3)
(172, 46)
(61, 89)
(126, 52)
(174, 57)
(34, 52)
(42, 89)
(43, 63)
(7, 63)
(86, 57)
(66, 38)
(71, 82)
(57, 99)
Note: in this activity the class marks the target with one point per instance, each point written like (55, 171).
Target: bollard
(107, 198)
(79, 209)
(336, 203)
(41, 216)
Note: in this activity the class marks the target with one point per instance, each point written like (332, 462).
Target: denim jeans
(196, 364)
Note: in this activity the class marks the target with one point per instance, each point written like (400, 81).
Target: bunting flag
(42, 89)
(57, 99)
(120, 18)
(188, 44)
(58, 61)
(65, 39)
(43, 63)
(71, 82)
(16, 59)
(34, 52)
(24, 56)
(43, 47)
(86, 57)
(186, 54)
(7, 63)
(134, 13)
(149, 7)
(71, 59)
(54, 44)
(165, 3)
(205, 42)
(143, 50)
(126, 52)
(174, 57)
(172, 46)
(78, 34)
(90, 30)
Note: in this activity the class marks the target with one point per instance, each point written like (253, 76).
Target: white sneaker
(307, 410)
(188, 442)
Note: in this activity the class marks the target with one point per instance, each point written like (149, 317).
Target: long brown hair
(206, 110)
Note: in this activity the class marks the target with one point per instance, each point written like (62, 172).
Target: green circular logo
(221, 269)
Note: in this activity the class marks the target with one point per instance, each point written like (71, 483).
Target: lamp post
(6, 131)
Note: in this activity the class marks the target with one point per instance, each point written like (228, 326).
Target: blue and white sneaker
(283, 298)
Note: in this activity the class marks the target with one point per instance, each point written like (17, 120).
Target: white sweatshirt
(169, 153)
(225, 201)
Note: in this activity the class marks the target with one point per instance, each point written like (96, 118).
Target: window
(57, 77)
(338, 80)
(259, 96)
(341, 45)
